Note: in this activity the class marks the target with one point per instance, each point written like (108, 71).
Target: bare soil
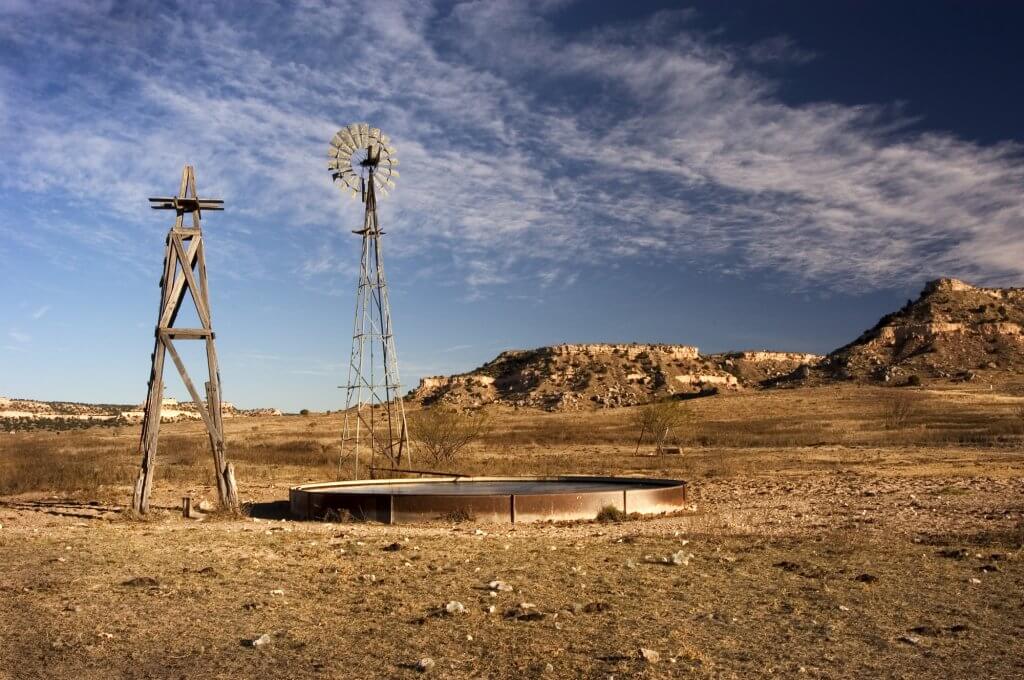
(873, 552)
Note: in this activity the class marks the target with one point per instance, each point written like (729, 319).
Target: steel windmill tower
(362, 163)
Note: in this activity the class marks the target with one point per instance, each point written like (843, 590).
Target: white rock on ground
(649, 655)
(260, 641)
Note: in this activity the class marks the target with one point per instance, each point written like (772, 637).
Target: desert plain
(834, 532)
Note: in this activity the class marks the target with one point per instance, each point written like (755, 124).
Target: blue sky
(731, 175)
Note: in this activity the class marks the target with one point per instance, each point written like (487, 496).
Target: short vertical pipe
(625, 508)
(512, 507)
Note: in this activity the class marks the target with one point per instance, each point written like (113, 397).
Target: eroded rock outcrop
(952, 331)
(580, 376)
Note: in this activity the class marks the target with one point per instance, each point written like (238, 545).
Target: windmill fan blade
(375, 133)
(353, 133)
(336, 140)
(350, 135)
(364, 133)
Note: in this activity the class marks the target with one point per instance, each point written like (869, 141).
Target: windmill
(362, 163)
(184, 272)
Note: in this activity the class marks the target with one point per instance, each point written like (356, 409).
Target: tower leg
(150, 432)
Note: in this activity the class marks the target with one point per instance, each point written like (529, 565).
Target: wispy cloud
(40, 312)
(678, 150)
(19, 336)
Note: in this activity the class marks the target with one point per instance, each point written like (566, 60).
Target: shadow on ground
(269, 510)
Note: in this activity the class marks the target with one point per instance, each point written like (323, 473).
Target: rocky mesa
(952, 332)
(583, 376)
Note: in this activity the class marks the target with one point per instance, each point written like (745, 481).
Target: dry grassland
(829, 539)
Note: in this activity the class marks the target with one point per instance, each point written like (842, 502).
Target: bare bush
(443, 433)
(899, 409)
(658, 419)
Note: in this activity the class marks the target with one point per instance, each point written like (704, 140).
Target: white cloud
(525, 154)
(19, 336)
(40, 312)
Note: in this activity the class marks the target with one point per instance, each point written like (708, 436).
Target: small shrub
(444, 433)
(913, 381)
(610, 513)
(458, 515)
(898, 410)
(658, 419)
(304, 412)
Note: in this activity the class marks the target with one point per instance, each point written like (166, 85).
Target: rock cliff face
(580, 376)
(953, 331)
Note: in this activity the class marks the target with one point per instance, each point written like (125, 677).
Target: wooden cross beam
(184, 204)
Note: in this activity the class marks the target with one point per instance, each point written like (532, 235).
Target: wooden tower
(184, 272)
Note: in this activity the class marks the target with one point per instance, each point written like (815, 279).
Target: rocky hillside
(23, 414)
(568, 377)
(953, 332)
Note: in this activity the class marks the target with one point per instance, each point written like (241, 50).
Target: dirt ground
(814, 561)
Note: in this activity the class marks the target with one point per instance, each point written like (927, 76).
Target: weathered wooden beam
(177, 288)
(197, 293)
(189, 386)
(186, 333)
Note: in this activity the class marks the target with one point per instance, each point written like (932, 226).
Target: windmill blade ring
(356, 150)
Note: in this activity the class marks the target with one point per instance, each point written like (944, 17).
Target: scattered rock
(912, 640)
(425, 665)
(649, 655)
(680, 558)
(454, 608)
(393, 547)
(976, 581)
(954, 553)
(524, 611)
(277, 592)
(930, 631)
(866, 578)
(205, 506)
(261, 641)
(596, 607)
(141, 582)
(988, 568)
(500, 586)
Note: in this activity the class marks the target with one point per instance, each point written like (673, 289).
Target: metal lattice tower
(362, 161)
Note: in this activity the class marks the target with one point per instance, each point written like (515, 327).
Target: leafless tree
(657, 420)
(444, 433)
